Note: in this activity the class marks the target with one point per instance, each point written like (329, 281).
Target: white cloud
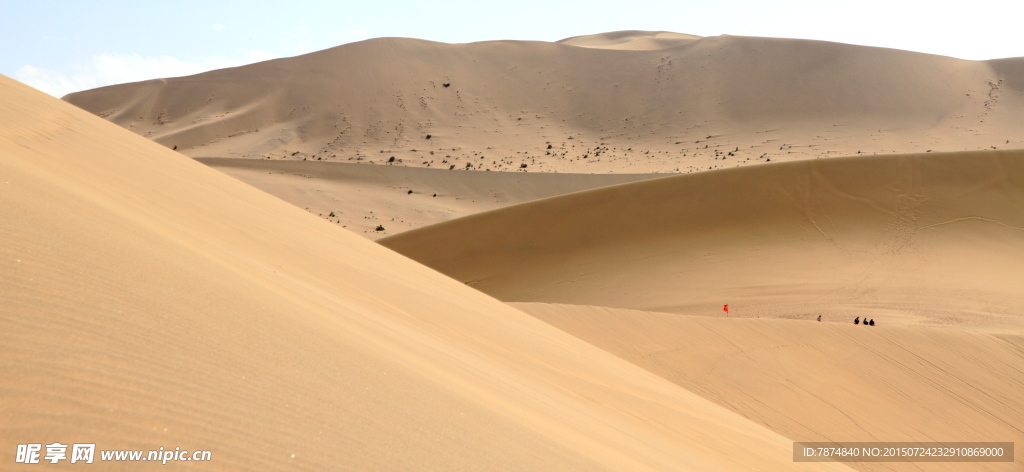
(52, 82)
(218, 26)
(109, 69)
(119, 68)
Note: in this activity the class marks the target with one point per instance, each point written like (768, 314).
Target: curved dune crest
(148, 301)
(931, 239)
(631, 40)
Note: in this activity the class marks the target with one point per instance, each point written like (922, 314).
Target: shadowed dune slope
(148, 301)
(556, 107)
(827, 381)
(361, 198)
(931, 239)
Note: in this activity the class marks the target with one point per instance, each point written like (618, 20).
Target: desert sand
(928, 245)
(624, 102)
(627, 102)
(558, 304)
(920, 239)
(148, 301)
(631, 40)
(826, 381)
(364, 198)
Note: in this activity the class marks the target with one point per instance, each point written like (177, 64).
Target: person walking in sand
(856, 320)
(819, 318)
(872, 323)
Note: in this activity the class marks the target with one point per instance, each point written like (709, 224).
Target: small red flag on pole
(726, 309)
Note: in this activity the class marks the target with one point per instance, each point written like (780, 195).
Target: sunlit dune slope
(147, 301)
(932, 239)
(828, 381)
(626, 103)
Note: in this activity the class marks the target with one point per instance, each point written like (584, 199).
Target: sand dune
(148, 301)
(631, 40)
(627, 102)
(923, 239)
(826, 381)
(362, 198)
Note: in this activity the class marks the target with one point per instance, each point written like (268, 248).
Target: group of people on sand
(856, 320)
(866, 322)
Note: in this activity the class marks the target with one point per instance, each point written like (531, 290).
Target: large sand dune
(630, 102)
(631, 40)
(148, 301)
(397, 198)
(923, 239)
(827, 381)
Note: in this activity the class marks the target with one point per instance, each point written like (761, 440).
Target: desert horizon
(630, 250)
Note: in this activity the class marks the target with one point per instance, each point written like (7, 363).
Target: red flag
(725, 308)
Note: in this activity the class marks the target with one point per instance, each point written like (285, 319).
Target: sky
(66, 46)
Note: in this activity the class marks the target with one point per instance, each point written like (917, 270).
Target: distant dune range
(628, 102)
(624, 102)
(919, 239)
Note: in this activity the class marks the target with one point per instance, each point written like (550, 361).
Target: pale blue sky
(64, 46)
